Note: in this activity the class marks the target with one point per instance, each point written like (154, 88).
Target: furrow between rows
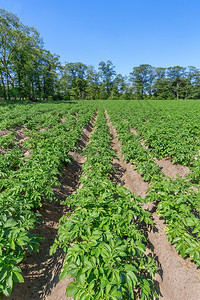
(40, 270)
(178, 278)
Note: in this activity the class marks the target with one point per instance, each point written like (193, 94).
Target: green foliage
(179, 206)
(27, 180)
(169, 130)
(104, 238)
(27, 70)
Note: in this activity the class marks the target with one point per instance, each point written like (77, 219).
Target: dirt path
(125, 175)
(178, 279)
(58, 292)
(165, 164)
(40, 270)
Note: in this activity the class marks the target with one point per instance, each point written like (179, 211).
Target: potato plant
(104, 238)
(178, 204)
(27, 181)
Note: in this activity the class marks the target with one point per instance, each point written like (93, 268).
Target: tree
(162, 88)
(92, 78)
(142, 79)
(107, 77)
(161, 85)
(27, 70)
(176, 75)
(120, 88)
(74, 80)
(9, 27)
(193, 79)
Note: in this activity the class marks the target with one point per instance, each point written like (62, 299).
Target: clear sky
(128, 32)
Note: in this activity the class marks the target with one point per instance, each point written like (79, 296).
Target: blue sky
(128, 32)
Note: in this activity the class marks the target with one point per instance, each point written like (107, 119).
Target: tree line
(29, 71)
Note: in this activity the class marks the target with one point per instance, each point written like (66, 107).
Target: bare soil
(40, 270)
(177, 278)
(171, 170)
(20, 138)
(133, 131)
(63, 120)
(125, 174)
(165, 164)
(4, 132)
(196, 156)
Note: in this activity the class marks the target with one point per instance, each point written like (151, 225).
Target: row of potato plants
(21, 114)
(169, 129)
(177, 202)
(104, 235)
(26, 182)
(174, 132)
(12, 157)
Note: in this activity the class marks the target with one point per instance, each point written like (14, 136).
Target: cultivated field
(104, 195)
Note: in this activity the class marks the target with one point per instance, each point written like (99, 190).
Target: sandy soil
(133, 131)
(63, 120)
(171, 170)
(40, 270)
(196, 156)
(20, 138)
(58, 292)
(177, 278)
(165, 164)
(125, 174)
(4, 132)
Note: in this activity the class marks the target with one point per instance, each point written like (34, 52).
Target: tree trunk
(19, 86)
(177, 94)
(8, 88)
(4, 87)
